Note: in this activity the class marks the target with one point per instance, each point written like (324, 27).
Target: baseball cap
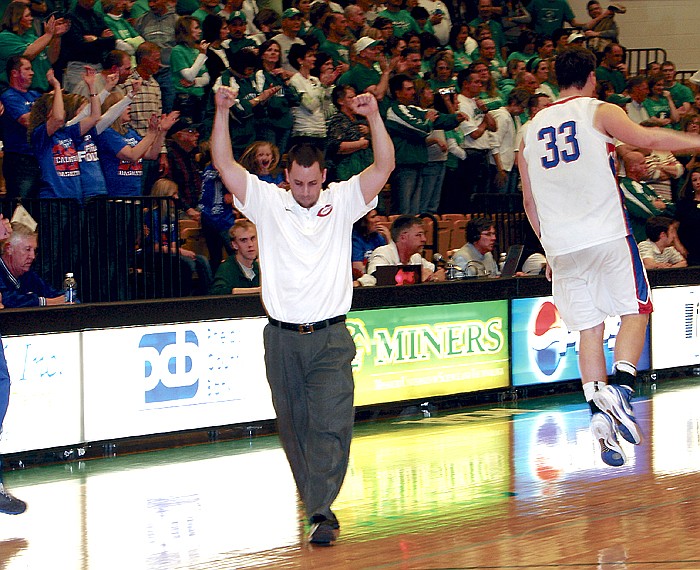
(575, 37)
(364, 43)
(291, 13)
(237, 15)
(182, 124)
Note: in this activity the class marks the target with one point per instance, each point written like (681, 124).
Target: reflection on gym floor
(520, 486)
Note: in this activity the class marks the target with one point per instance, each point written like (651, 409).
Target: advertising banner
(157, 379)
(545, 350)
(45, 404)
(675, 327)
(419, 352)
(676, 440)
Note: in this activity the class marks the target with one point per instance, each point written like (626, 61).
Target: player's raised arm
(232, 174)
(613, 120)
(374, 177)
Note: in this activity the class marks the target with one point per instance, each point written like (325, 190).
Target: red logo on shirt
(323, 212)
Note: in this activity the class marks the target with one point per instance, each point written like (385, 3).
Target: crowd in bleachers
(117, 99)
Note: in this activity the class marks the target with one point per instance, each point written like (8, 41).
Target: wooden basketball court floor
(517, 486)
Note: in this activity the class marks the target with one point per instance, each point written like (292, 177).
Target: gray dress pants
(310, 376)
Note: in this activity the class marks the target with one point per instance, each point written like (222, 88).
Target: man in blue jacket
(8, 504)
(19, 285)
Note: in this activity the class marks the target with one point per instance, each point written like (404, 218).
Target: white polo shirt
(305, 267)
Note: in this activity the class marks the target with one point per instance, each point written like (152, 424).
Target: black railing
(638, 59)
(112, 245)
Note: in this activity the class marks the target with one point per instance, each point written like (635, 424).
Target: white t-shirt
(475, 116)
(305, 253)
(389, 255)
(572, 175)
(503, 140)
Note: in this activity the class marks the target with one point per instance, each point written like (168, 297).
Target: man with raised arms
(304, 237)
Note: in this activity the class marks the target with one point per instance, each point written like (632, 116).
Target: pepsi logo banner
(545, 350)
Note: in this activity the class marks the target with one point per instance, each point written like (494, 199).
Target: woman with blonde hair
(262, 158)
(54, 142)
(122, 150)
(163, 235)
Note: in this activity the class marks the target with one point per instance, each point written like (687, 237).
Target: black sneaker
(323, 533)
(10, 505)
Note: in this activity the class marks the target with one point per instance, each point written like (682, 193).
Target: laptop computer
(513, 256)
(398, 274)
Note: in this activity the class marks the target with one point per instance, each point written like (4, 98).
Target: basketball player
(572, 199)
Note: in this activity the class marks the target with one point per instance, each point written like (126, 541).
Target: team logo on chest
(323, 212)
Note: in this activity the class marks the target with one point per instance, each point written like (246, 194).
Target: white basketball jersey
(572, 175)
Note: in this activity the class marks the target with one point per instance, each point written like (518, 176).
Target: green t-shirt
(614, 77)
(549, 15)
(462, 59)
(200, 14)
(681, 94)
(14, 44)
(402, 21)
(360, 77)
(182, 57)
(492, 102)
(338, 52)
(186, 6)
(658, 108)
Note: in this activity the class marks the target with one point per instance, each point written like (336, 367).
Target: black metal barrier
(119, 249)
(638, 59)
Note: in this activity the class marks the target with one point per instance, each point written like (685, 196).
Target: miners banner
(436, 350)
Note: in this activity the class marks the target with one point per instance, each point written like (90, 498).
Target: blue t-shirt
(272, 178)
(16, 104)
(92, 180)
(123, 178)
(362, 247)
(215, 212)
(59, 162)
(165, 231)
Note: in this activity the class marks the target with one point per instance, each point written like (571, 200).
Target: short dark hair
(534, 100)
(15, 62)
(608, 48)
(477, 225)
(519, 96)
(573, 66)
(396, 83)
(465, 74)
(636, 81)
(306, 155)
(403, 223)
(245, 58)
(144, 50)
(114, 58)
(297, 52)
(338, 92)
(419, 13)
(211, 27)
(656, 225)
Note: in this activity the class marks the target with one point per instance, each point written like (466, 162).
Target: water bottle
(70, 286)
(501, 261)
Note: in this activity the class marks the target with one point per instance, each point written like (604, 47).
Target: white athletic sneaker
(615, 401)
(603, 430)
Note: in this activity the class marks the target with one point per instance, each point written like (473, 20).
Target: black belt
(306, 328)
